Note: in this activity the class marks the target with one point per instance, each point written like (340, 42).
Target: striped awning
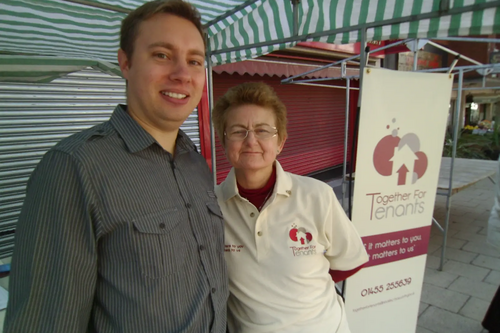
(36, 69)
(239, 29)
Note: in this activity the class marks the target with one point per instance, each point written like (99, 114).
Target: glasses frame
(252, 130)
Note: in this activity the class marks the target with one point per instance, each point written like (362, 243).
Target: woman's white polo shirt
(278, 259)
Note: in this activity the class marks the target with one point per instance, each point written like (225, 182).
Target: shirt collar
(137, 138)
(283, 183)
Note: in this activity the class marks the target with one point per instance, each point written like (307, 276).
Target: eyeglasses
(262, 132)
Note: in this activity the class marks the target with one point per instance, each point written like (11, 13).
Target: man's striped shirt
(116, 235)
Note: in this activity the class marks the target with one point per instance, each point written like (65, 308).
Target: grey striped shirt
(115, 235)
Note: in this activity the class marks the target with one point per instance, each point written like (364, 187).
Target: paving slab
(442, 321)
(436, 232)
(458, 255)
(423, 306)
(468, 236)
(482, 248)
(475, 308)
(433, 247)
(450, 242)
(443, 298)
(481, 290)
(439, 278)
(488, 262)
(467, 270)
(467, 227)
(477, 222)
(433, 262)
(493, 278)
(423, 330)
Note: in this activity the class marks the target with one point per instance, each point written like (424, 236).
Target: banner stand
(408, 304)
(347, 180)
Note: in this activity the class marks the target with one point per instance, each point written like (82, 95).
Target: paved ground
(455, 300)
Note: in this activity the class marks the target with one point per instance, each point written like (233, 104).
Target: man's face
(166, 74)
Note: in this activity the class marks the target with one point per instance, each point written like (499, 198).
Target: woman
(283, 232)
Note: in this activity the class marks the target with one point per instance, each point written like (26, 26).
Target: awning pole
(458, 105)
(346, 136)
(210, 90)
(350, 59)
(362, 64)
(295, 4)
(415, 55)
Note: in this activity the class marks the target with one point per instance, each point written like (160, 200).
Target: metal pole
(346, 135)
(464, 68)
(415, 55)
(324, 86)
(322, 79)
(362, 65)
(320, 68)
(350, 59)
(210, 89)
(362, 62)
(481, 88)
(453, 52)
(469, 39)
(458, 106)
(295, 4)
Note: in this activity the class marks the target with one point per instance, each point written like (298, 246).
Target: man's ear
(124, 63)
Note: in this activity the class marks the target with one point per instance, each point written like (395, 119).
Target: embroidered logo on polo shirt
(300, 235)
(302, 238)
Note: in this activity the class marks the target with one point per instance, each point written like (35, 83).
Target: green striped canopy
(238, 29)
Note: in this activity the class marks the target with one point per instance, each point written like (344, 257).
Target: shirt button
(259, 233)
(202, 248)
(162, 225)
(188, 205)
(252, 214)
(289, 192)
(213, 290)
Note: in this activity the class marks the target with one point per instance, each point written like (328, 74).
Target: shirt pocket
(160, 243)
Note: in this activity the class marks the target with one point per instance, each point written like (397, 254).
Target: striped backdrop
(68, 29)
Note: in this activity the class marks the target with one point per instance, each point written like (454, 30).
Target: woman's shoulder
(308, 183)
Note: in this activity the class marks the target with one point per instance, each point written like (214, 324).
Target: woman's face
(251, 153)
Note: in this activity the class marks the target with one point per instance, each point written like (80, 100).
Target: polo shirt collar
(283, 184)
(283, 181)
(137, 138)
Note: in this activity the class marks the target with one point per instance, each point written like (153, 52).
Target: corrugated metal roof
(280, 69)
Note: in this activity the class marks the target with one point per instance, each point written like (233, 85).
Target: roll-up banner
(401, 135)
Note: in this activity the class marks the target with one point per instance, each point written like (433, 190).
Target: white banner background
(401, 135)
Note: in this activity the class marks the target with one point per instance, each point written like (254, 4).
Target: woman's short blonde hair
(249, 93)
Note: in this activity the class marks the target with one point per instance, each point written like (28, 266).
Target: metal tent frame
(452, 69)
(362, 28)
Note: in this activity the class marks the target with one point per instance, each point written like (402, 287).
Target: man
(120, 230)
